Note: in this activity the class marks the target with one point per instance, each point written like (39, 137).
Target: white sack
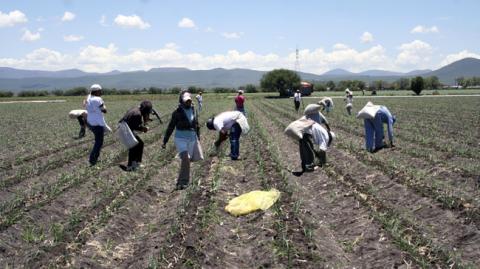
(296, 129)
(368, 111)
(125, 135)
(311, 109)
(73, 114)
(242, 121)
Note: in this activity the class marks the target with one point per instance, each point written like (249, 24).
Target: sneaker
(129, 168)
(179, 187)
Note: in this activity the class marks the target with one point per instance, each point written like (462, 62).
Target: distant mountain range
(19, 80)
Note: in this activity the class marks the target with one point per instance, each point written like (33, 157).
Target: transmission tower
(297, 60)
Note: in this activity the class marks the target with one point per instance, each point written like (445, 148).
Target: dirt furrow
(442, 227)
(357, 239)
(72, 210)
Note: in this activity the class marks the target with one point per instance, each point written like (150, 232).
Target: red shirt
(239, 100)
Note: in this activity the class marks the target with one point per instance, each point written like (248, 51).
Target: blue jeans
(235, 133)
(242, 109)
(374, 133)
(98, 132)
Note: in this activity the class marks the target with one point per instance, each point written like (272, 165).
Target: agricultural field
(416, 205)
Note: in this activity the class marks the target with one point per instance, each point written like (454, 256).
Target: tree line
(279, 80)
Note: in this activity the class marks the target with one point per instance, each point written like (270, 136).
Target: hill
(18, 80)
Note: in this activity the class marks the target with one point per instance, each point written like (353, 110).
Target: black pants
(83, 124)
(136, 153)
(309, 156)
(297, 105)
(98, 132)
(307, 153)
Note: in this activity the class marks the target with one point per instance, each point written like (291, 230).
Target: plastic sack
(252, 201)
(197, 152)
(125, 135)
(242, 121)
(311, 109)
(73, 114)
(368, 111)
(295, 129)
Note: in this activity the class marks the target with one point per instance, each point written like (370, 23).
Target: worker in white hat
(96, 122)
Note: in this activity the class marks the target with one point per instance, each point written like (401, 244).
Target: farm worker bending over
(374, 117)
(229, 123)
(81, 116)
(137, 119)
(312, 112)
(310, 134)
(199, 98)
(239, 102)
(297, 98)
(326, 103)
(349, 101)
(187, 134)
(96, 122)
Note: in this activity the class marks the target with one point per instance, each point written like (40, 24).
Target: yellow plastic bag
(252, 201)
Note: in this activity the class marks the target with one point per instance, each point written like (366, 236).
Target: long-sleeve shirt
(181, 122)
(134, 119)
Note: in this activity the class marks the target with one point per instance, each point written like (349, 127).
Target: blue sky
(100, 36)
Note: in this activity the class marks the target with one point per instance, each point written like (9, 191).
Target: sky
(127, 35)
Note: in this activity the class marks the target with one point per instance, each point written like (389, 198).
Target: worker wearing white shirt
(229, 124)
(96, 122)
(297, 98)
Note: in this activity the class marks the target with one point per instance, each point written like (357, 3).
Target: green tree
(280, 80)
(417, 85)
(251, 88)
(402, 84)
(330, 85)
(432, 83)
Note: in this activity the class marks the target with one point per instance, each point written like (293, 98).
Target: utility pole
(297, 60)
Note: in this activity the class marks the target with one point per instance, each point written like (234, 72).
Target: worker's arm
(390, 130)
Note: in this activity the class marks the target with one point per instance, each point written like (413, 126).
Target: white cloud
(29, 36)
(72, 38)
(68, 16)
(423, 29)
(209, 30)
(458, 56)
(416, 54)
(232, 35)
(186, 23)
(133, 21)
(366, 37)
(340, 46)
(12, 18)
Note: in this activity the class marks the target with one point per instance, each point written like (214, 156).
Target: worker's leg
(135, 153)
(322, 157)
(81, 121)
(369, 133)
(306, 153)
(235, 133)
(184, 173)
(98, 132)
(379, 135)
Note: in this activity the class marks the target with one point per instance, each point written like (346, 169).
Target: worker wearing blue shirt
(374, 129)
